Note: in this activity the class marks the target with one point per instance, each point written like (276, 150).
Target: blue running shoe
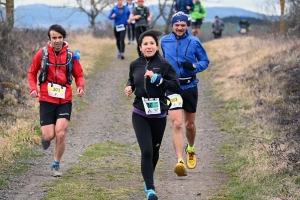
(145, 187)
(122, 56)
(119, 56)
(151, 195)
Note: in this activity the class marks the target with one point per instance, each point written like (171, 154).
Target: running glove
(188, 65)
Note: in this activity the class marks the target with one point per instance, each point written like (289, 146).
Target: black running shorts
(197, 24)
(190, 99)
(50, 112)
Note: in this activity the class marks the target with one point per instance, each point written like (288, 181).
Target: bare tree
(293, 17)
(9, 8)
(282, 23)
(93, 8)
(165, 8)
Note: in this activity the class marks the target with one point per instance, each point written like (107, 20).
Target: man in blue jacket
(120, 15)
(187, 55)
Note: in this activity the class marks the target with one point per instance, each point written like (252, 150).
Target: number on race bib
(56, 90)
(120, 27)
(151, 105)
(176, 101)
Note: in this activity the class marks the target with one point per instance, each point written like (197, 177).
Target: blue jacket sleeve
(110, 14)
(163, 52)
(175, 6)
(202, 58)
(192, 5)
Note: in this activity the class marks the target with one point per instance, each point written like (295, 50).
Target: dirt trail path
(92, 125)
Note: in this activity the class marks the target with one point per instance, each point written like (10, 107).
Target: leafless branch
(95, 8)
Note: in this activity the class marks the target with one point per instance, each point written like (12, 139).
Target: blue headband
(179, 17)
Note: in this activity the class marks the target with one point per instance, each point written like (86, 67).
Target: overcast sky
(252, 5)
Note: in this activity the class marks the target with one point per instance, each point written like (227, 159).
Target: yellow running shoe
(180, 169)
(191, 160)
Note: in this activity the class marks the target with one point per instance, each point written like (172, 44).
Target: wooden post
(10, 9)
(282, 24)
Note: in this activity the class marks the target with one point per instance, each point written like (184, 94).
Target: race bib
(151, 105)
(193, 20)
(120, 27)
(243, 30)
(56, 90)
(176, 101)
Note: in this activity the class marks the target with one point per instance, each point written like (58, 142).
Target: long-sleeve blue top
(186, 48)
(120, 18)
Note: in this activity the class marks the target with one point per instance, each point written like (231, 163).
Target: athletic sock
(180, 160)
(190, 149)
(55, 163)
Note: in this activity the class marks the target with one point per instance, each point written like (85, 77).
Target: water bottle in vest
(76, 55)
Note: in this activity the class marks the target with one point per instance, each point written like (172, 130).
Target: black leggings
(120, 37)
(149, 133)
(131, 32)
(138, 31)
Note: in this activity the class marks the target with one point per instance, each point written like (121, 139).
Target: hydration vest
(141, 11)
(45, 66)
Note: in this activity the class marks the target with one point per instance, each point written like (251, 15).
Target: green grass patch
(106, 171)
(98, 151)
(297, 181)
(236, 104)
(264, 187)
(20, 162)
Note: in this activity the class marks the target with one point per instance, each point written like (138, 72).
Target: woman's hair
(155, 34)
(57, 28)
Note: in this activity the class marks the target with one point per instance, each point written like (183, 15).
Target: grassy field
(250, 81)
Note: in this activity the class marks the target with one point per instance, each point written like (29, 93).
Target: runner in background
(131, 24)
(217, 27)
(120, 15)
(142, 17)
(197, 16)
(244, 26)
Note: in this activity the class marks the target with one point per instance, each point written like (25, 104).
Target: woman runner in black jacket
(149, 77)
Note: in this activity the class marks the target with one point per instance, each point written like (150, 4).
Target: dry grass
(236, 57)
(256, 79)
(88, 51)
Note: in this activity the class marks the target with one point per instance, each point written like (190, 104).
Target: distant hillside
(236, 20)
(40, 15)
(229, 11)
